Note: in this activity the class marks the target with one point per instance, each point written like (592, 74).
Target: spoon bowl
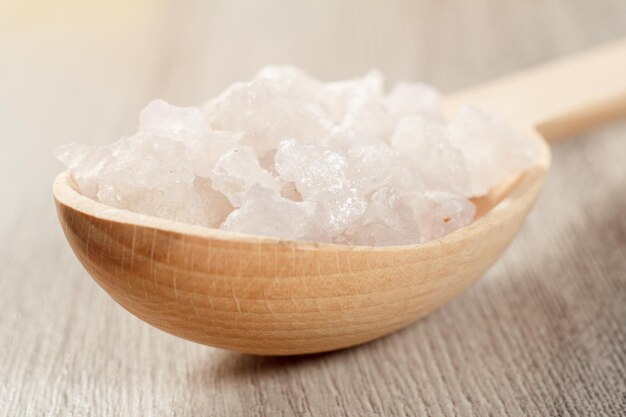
(265, 295)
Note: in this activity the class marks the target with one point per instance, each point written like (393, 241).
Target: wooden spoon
(269, 296)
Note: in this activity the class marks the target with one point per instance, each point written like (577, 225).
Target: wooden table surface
(543, 333)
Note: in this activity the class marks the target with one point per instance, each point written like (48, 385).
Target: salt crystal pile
(288, 156)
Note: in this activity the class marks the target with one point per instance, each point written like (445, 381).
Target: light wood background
(543, 333)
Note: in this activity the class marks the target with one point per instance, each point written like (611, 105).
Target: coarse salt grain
(286, 155)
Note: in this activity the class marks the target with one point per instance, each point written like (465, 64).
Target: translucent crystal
(238, 170)
(410, 99)
(218, 207)
(178, 123)
(375, 164)
(492, 149)
(358, 107)
(342, 97)
(267, 213)
(386, 221)
(85, 164)
(438, 213)
(203, 146)
(203, 152)
(286, 155)
(320, 174)
(277, 105)
(440, 164)
(143, 173)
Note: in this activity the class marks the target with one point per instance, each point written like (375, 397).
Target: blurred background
(73, 70)
(543, 333)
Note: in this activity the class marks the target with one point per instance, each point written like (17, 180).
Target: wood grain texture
(542, 334)
(560, 98)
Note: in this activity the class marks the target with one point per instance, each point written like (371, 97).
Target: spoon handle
(560, 98)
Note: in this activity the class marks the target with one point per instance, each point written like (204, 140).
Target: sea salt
(289, 156)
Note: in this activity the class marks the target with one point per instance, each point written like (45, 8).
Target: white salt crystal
(438, 213)
(397, 218)
(143, 173)
(344, 98)
(361, 105)
(85, 164)
(440, 164)
(218, 207)
(407, 99)
(374, 164)
(203, 152)
(266, 213)
(319, 174)
(150, 175)
(286, 155)
(178, 123)
(270, 109)
(386, 221)
(189, 125)
(238, 170)
(492, 150)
